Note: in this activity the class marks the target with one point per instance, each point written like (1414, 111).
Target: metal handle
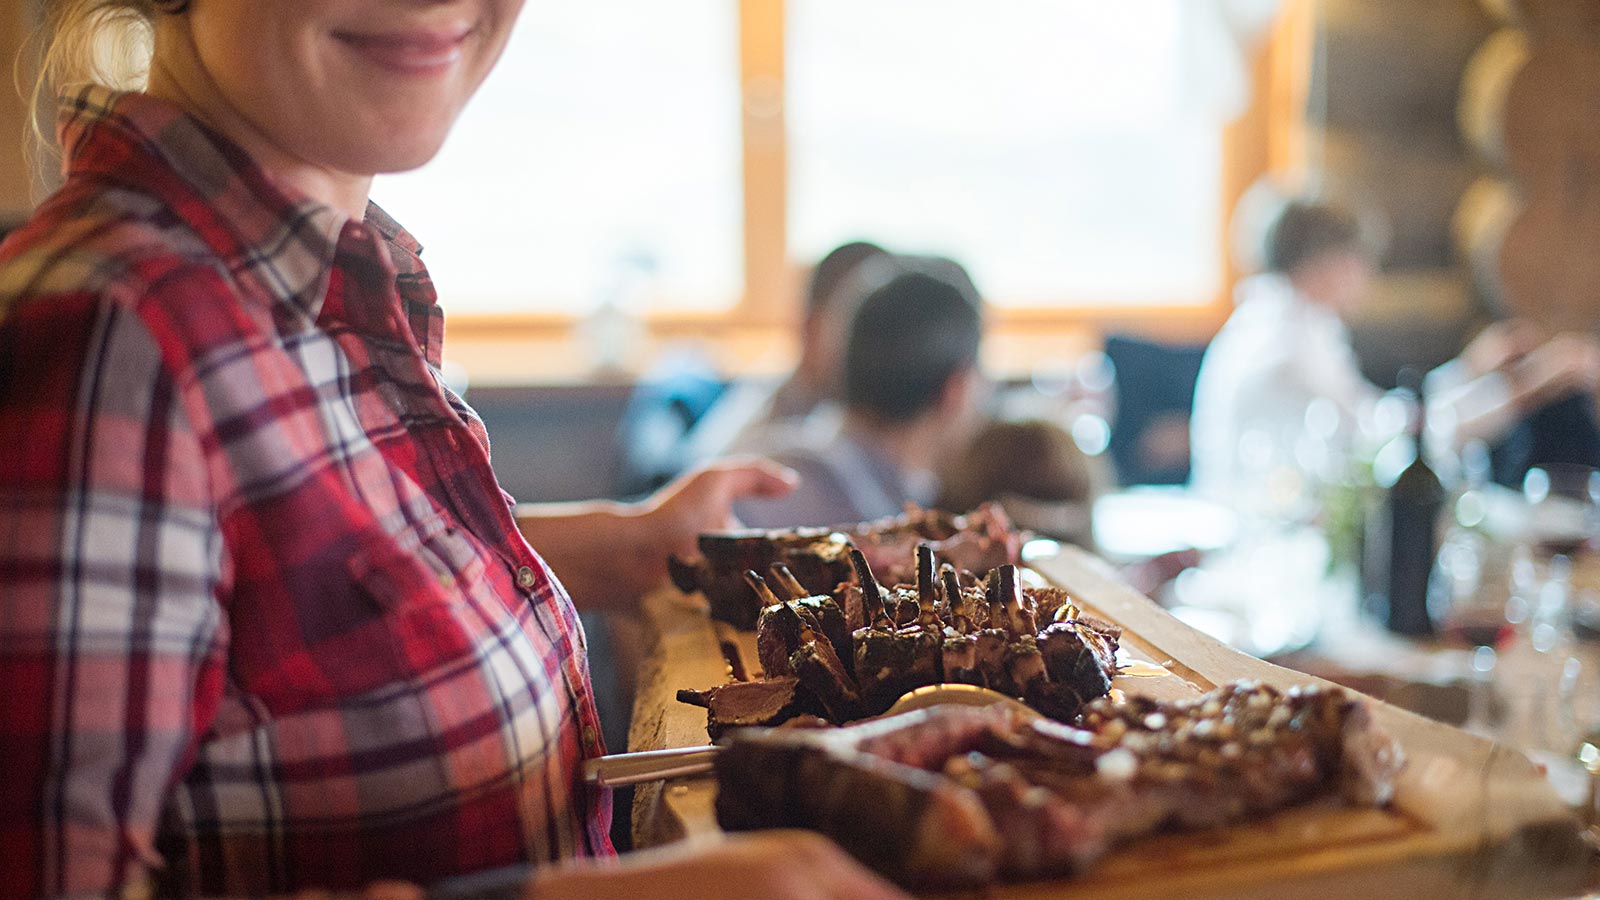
(621, 769)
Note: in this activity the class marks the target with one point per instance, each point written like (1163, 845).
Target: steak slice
(743, 704)
(777, 638)
(914, 826)
(951, 796)
(829, 621)
(823, 673)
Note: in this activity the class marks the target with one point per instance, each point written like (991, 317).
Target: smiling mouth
(420, 51)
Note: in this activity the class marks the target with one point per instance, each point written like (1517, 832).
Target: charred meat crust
(854, 673)
(816, 557)
(751, 703)
(955, 797)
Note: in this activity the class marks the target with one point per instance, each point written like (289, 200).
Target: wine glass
(1481, 622)
(1562, 526)
(1563, 508)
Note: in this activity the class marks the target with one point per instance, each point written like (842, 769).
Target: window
(1048, 144)
(599, 161)
(1057, 147)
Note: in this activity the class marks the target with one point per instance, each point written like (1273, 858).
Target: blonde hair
(106, 42)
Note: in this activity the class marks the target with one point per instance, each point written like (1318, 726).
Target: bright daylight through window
(1062, 149)
(1051, 145)
(602, 155)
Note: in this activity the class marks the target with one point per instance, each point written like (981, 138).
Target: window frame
(1270, 136)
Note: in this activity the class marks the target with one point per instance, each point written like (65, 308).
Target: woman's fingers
(377, 890)
(772, 479)
(772, 865)
(753, 476)
(392, 890)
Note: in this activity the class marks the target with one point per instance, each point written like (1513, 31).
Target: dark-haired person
(829, 306)
(909, 384)
(1286, 346)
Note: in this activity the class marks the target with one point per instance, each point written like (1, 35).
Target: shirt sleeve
(1468, 409)
(111, 637)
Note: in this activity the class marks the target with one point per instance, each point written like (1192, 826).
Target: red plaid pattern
(266, 622)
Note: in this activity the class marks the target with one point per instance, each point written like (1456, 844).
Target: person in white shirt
(1285, 350)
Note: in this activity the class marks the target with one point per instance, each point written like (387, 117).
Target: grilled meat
(777, 630)
(821, 671)
(977, 542)
(819, 560)
(821, 611)
(852, 673)
(816, 557)
(745, 703)
(886, 658)
(1080, 657)
(954, 797)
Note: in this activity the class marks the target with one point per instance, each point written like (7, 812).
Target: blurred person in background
(752, 414)
(1048, 486)
(1286, 345)
(909, 386)
(829, 307)
(1036, 471)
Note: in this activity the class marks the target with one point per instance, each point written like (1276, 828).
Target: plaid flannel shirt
(266, 620)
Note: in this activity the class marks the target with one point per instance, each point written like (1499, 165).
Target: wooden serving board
(1471, 818)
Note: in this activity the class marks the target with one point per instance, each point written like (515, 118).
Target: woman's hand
(670, 521)
(1566, 364)
(703, 499)
(1501, 345)
(609, 554)
(378, 890)
(768, 865)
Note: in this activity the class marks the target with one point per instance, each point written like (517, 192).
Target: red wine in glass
(1586, 627)
(1558, 544)
(1477, 628)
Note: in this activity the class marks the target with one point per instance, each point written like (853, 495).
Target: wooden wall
(1381, 113)
(16, 186)
(1529, 108)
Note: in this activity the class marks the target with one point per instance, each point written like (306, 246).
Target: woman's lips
(415, 52)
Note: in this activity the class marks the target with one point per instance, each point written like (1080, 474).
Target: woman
(268, 623)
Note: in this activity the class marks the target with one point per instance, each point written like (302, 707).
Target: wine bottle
(1402, 538)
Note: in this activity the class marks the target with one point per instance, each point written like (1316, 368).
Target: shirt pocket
(423, 581)
(426, 563)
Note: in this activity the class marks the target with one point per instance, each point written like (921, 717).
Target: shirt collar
(268, 233)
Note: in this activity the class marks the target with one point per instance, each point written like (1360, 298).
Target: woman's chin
(388, 153)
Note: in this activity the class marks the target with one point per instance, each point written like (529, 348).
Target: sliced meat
(914, 826)
(947, 797)
(819, 668)
(1080, 670)
(742, 704)
(818, 557)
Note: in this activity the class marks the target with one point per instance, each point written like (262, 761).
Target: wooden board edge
(1453, 778)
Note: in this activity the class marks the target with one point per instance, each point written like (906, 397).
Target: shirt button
(525, 578)
(590, 739)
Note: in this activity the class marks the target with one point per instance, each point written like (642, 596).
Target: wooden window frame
(757, 333)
